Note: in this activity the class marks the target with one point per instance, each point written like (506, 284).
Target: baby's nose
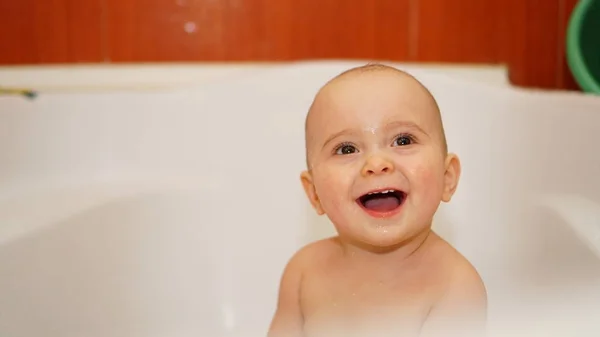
(377, 165)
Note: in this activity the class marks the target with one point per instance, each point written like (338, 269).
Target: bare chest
(352, 304)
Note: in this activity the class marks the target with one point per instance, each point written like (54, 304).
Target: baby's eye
(403, 141)
(345, 149)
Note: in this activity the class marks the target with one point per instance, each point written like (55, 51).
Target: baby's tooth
(382, 192)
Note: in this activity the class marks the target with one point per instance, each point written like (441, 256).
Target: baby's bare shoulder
(451, 268)
(316, 251)
(459, 270)
(463, 299)
(306, 258)
(288, 319)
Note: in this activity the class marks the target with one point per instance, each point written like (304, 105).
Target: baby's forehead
(371, 102)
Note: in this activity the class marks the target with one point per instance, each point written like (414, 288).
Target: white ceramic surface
(172, 211)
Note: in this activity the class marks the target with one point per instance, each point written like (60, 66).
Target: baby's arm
(288, 321)
(462, 311)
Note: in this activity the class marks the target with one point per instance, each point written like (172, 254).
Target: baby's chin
(382, 239)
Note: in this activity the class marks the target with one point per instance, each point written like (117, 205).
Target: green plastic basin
(583, 45)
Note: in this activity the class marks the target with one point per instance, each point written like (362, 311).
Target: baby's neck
(383, 256)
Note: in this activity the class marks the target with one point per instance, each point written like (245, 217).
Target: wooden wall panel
(461, 31)
(237, 30)
(565, 78)
(537, 31)
(50, 31)
(527, 35)
(533, 30)
(351, 29)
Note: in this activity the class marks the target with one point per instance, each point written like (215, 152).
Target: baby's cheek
(430, 181)
(330, 190)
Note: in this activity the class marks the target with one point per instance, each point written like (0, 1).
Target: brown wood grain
(565, 78)
(533, 31)
(461, 31)
(527, 35)
(237, 30)
(50, 31)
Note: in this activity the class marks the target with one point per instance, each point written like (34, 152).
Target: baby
(378, 167)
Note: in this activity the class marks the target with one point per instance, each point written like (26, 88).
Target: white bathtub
(172, 210)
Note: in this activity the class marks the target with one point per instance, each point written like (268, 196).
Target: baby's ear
(311, 193)
(451, 176)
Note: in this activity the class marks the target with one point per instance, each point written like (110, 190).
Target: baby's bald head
(364, 80)
(375, 127)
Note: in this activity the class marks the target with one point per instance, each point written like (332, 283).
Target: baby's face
(378, 166)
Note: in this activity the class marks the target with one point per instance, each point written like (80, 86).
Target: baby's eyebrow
(391, 125)
(337, 134)
(406, 124)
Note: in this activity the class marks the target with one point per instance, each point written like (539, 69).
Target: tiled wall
(528, 35)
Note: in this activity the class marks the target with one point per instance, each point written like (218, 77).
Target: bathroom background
(151, 187)
(525, 35)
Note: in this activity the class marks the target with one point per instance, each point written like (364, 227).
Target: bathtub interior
(173, 212)
(158, 263)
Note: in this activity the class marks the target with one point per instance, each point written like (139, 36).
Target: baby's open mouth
(382, 201)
